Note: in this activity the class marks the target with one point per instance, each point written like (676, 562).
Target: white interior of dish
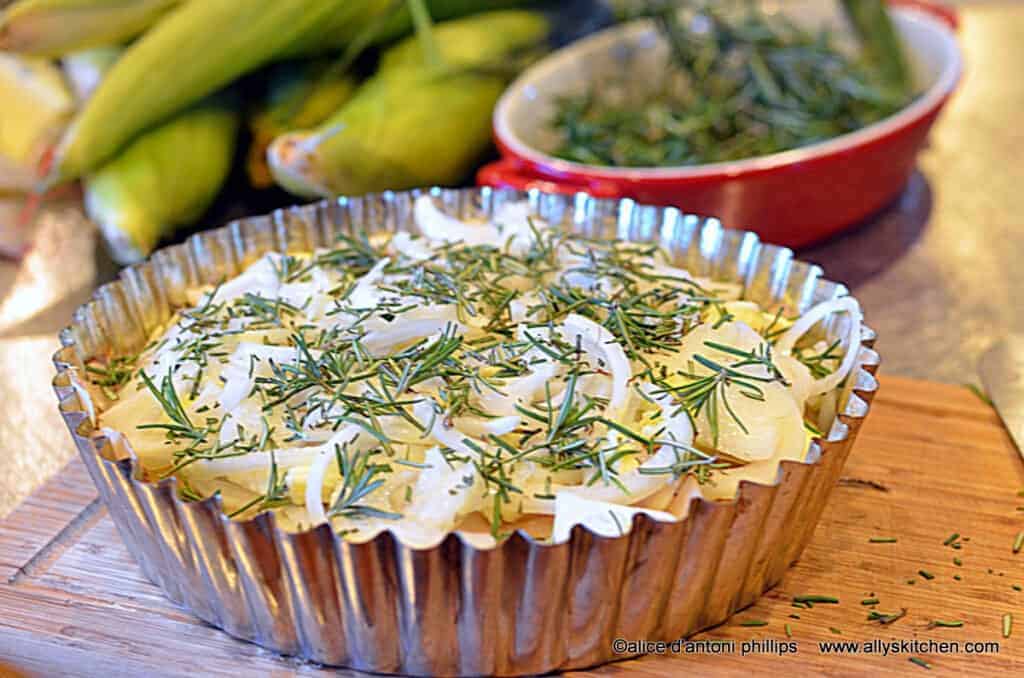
(522, 116)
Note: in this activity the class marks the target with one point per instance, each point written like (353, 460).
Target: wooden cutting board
(931, 460)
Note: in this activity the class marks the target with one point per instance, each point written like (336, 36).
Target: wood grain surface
(931, 460)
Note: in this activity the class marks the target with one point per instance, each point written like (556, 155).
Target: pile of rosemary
(739, 83)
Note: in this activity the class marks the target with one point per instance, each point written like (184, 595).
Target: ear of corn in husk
(36, 107)
(166, 177)
(396, 21)
(58, 27)
(84, 70)
(196, 50)
(412, 124)
(300, 94)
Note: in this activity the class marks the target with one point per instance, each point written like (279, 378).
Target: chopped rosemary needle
(1007, 624)
(870, 601)
(882, 540)
(943, 624)
(754, 622)
(926, 574)
(816, 599)
(951, 538)
(920, 662)
(976, 390)
(886, 617)
(958, 562)
(789, 630)
(1018, 543)
(835, 630)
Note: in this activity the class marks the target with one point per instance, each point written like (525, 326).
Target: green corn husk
(412, 124)
(300, 95)
(167, 177)
(880, 42)
(398, 19)
(193, 52)
(58, 27)
(200, 48)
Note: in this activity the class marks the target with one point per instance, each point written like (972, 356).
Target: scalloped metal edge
(522, 607)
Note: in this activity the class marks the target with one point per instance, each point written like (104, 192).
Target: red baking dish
(792, 198)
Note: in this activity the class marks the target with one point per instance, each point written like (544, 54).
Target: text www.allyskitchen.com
(780, 647)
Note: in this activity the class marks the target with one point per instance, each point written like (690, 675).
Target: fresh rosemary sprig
(360, 477)
(823, 363)
(710, 393)
(167, 397)
(275, 495)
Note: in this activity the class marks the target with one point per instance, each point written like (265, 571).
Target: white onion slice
(437, 226)
(257, 461)
(480, 427)
(240, 374)
(638, 485)
(318, 470)
(442, 494)
(594, 385)
(260, 279)
(522, 390)
(604, 518)
(678, 427)
(518, 309)
(411, 325)
(513, 219)
(415, 249)
(364, 293)
(680, 276)
(432, 420)
(84, 396)
(596, 339)
(846, 305)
